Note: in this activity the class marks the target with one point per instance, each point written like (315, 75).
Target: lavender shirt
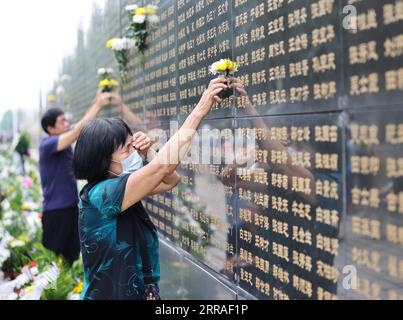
(59, 185)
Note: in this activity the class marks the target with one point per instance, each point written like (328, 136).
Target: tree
(7, 122)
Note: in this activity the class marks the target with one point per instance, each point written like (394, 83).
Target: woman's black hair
(98, 140)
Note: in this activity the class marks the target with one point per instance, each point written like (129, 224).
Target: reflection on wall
(314, 209)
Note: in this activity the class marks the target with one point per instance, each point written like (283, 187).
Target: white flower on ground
(16, 243)
(4, 173)
(109, 71)
(34, 271)
(139, 18)
(4, 255)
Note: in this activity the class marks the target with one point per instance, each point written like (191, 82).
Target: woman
(119, 243)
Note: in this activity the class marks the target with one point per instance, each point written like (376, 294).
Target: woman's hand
(210, 97)
(102, 99)
(141, 142)
(117, 98)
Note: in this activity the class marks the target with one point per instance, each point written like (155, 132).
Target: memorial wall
(315, 210)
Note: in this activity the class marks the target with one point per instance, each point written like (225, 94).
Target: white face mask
(129, 165)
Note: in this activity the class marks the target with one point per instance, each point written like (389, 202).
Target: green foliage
(20, 200)
(19, 257)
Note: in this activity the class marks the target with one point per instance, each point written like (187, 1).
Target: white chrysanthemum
(60, 90)
(213, 69)
(139, 18)
(131, 7)
(128, 43)
(117, 44)
(153, 18)
(101, 71)
(109, 71)
(65, 77)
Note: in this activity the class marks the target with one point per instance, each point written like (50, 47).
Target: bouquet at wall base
(141, 20)
(28, 271)
(41, 282)
(106, 82)
(47, 277)
(224, 68)
(16, 288)
(121, 48)
(19, 256)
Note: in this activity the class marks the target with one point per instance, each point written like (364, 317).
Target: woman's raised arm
(143, 182)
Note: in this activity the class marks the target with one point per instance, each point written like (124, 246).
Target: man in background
(59, 187)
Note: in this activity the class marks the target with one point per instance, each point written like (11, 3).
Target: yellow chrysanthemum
(140, 11)
(114, 83)
(224, 65)
(221, 65)
(109, 44)
(104, 83)
(78, 288)
(231, 65)
(144, 11)
(151, 11)
(51, 98)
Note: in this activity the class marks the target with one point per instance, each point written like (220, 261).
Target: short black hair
(49, 119)
(98, 140)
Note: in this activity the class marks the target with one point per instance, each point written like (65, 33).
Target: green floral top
(120, 250)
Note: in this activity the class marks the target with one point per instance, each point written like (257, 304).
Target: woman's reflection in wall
(258, 212)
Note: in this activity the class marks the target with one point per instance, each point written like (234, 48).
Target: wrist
(199, 112)
(96, 106)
